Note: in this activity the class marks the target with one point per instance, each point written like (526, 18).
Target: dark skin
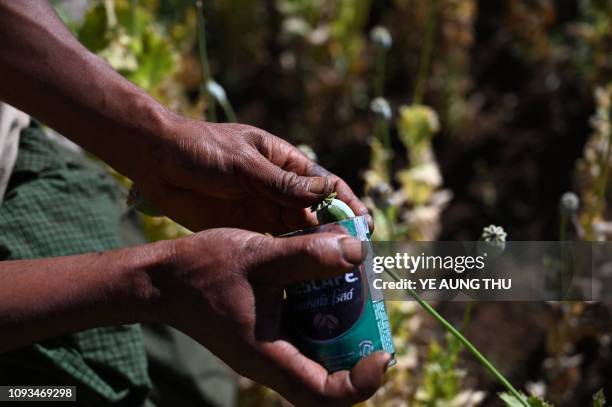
(201, 174)
(173, 160)
(253, 180)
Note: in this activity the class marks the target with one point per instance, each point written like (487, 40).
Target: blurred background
(445, 115)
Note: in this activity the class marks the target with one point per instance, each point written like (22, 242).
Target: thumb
(295, 259)
(287, 187)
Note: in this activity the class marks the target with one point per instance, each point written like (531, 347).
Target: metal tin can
(338, 321)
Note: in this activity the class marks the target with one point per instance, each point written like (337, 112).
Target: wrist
(148, 279)
(148, 128)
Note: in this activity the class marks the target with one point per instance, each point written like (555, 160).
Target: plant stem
(381, 132)
(467, 315)
(390, 218)
(379, 77)
(562, 226)
(111, 16)
(386, 141)
(450, 328)
(228, 110)
(133, 7)
(212, 113)
(425, 58)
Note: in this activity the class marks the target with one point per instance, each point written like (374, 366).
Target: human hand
(201, 174)
(224, 287)
(206, 175)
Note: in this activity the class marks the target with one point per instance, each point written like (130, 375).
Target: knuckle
(248, 157)
(246, 160)
(310, 248)
(289, 182)
(320, 251)
(266, 143)
(316, 169)
(251, 134)
(254, 249)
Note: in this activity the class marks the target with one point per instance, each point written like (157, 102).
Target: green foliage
(532, 401)
(417, 125)
(93, 33)
(155, 62)
(131, 41)
(442, 375)
(599, 399)
(595, 30)
(347, 29)
(310, 10)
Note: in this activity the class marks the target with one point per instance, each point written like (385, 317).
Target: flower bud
(380, 37)
(216, 90)
(380, 107)
(569, 203)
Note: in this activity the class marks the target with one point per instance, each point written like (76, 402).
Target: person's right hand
(209, 175)
(224, 287)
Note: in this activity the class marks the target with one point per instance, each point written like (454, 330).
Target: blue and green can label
(337, 321)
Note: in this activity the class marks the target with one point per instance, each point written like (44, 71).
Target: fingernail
(370, 222)
(368, 217)
(388, 362)
(320, 186)
(351, 250)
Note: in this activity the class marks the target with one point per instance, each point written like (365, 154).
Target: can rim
(312, 229)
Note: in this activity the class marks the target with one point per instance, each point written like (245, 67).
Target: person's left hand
(224, 288)
(206, 175)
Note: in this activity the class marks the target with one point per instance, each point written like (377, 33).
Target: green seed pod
(332, 210)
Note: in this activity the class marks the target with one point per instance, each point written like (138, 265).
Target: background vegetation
(446, 115)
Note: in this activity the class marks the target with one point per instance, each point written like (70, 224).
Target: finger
(291, 260)
(198, 212)
(296, 219)
(298, 162)
(305, 382)
(367, 375)
(361, 382)
(285, 187)
(286, 156)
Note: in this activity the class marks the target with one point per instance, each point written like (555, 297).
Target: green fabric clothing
(58, 203)
(184, 373)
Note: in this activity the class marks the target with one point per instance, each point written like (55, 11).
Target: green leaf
(156, 61)
(441, 375)
(93, 33)
(135, 20)
(599, 399)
